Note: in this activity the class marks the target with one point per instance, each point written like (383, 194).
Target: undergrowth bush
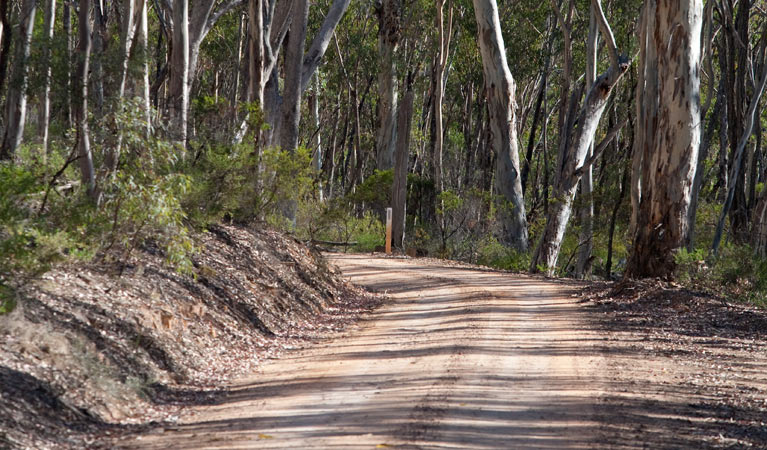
(494, 254)
(736, 272)
(46, 216)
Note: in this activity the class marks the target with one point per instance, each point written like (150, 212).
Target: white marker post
(388, 230)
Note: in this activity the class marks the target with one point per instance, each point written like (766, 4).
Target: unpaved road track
(460, 358)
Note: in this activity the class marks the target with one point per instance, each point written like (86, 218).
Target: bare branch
(607, 33)
(220, 11)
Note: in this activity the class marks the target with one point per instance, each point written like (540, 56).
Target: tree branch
(607, 34)
(321, 40)
(600, 148)
(220, 11)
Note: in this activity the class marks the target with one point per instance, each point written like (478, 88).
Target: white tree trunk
(87, 172)
(66, 24)
(145, 84)
(257, 56)
(443, 46)
(586, 240)
(672, 63)
(127, 34)
(321, 40)
(317, 141)
(178, 103)
(45, 100)
(573, 162)
(16, 100)
(500, 101)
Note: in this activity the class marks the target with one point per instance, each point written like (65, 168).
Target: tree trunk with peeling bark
(573, 160)
(500, 88)
(291, 97)
(670, 105)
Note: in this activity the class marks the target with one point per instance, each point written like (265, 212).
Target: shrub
(690, 266)
(375, 191)
(494, 254)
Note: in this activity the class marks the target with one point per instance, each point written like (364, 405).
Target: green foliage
(46, 220)
(736, 272)
(335, 221)
(141, 200)
(222, 179)
(690, 266)
(368, 232)
(286, 178)
(375, 191)
(494, 254)
(28, 243)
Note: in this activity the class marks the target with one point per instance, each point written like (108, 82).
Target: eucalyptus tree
(573, 161)
(282, 26)
(586, 244)
(389, 30)
(739, 153)
(189, 27)
(500, 90)
(438, 83)
(667, 132)
(84, 154)
(16, 100)
(44, 108)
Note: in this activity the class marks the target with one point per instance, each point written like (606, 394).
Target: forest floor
(466, 357)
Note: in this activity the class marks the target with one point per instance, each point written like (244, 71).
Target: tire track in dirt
(459, 358)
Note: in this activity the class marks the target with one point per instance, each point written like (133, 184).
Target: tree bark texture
(670, 102)
(440, 65)
(290, 113)
(178, 102)
(500, 88)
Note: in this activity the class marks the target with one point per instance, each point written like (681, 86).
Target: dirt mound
(92, 353)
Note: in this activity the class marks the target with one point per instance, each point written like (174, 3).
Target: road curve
(460, 358)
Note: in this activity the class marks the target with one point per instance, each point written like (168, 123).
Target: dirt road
(460, 358)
